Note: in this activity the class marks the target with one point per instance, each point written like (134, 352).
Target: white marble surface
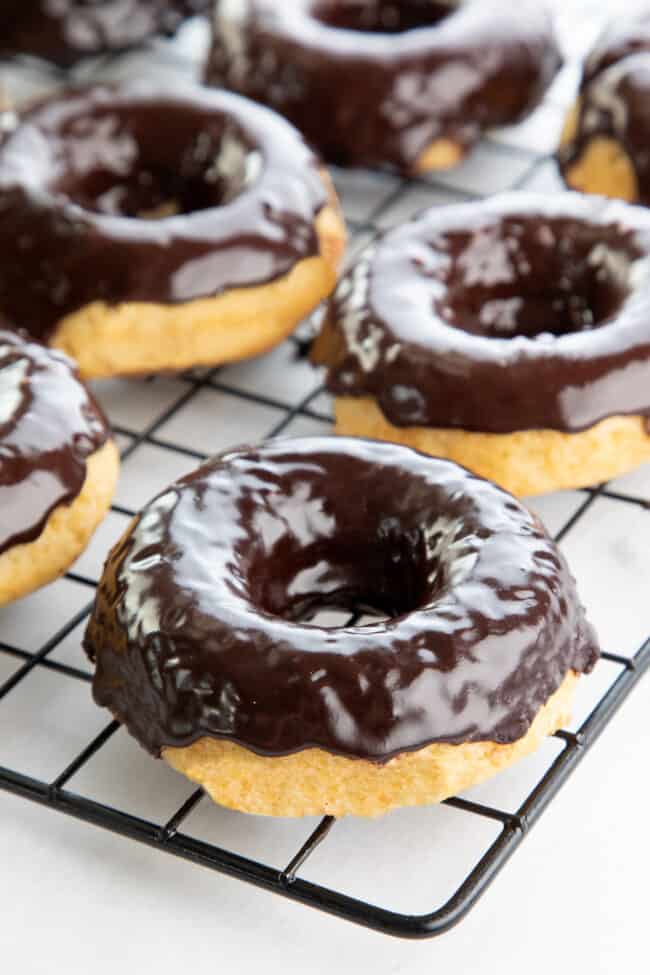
(573, 898)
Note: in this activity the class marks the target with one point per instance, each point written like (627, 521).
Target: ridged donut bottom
(525, 463)
(318, 783)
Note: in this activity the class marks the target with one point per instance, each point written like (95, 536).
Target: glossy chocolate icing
(199, 624)
(382, 93)
(65, 31)
(49, 426)
(520, 312)
(615, 100)
(618, 41)
(80, 168)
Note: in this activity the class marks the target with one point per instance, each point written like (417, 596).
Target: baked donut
(66, 31)
(144, 229)
(509, 335)
(58, 466)
(407, 83)
(202, 648)
(606, 141)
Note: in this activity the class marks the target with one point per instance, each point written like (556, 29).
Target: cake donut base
(603, 168)
(525, 463)
(440, 155)
(133, 338)
(26, 567)
(318, 783)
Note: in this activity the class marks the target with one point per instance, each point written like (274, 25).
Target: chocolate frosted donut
(511, 336)
(202, 648)
(58, 465)
(145, 229)
(411, 84)
(65, 31)
(606, 141)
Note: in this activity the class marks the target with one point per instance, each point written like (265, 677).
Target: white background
(573, 898)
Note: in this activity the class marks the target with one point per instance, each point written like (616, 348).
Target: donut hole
(385, 576)
(382, 16)
(534, 278)
(146, 163)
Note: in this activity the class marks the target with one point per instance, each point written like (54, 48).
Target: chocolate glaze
(619, 41)
(199, 624)
(382, 93)
(49, 426)
(80, 168)
(615, 100)
(66, 31)
(521, 312)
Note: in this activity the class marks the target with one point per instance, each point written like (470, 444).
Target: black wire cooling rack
(167, 835)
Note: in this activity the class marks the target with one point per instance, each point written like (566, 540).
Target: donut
(204, 649)
(58, 465)
(410, 84)
(146, 229)
(66, 31)
(605, 146)
(510, 336)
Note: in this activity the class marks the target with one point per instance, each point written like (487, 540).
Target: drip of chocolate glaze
(614, 101)
(200, 623)
(83, 170)
(522, 312)
(49, 426)
(384, 92)
(70, 30)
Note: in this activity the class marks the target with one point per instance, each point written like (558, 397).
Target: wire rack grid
(166, 425)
